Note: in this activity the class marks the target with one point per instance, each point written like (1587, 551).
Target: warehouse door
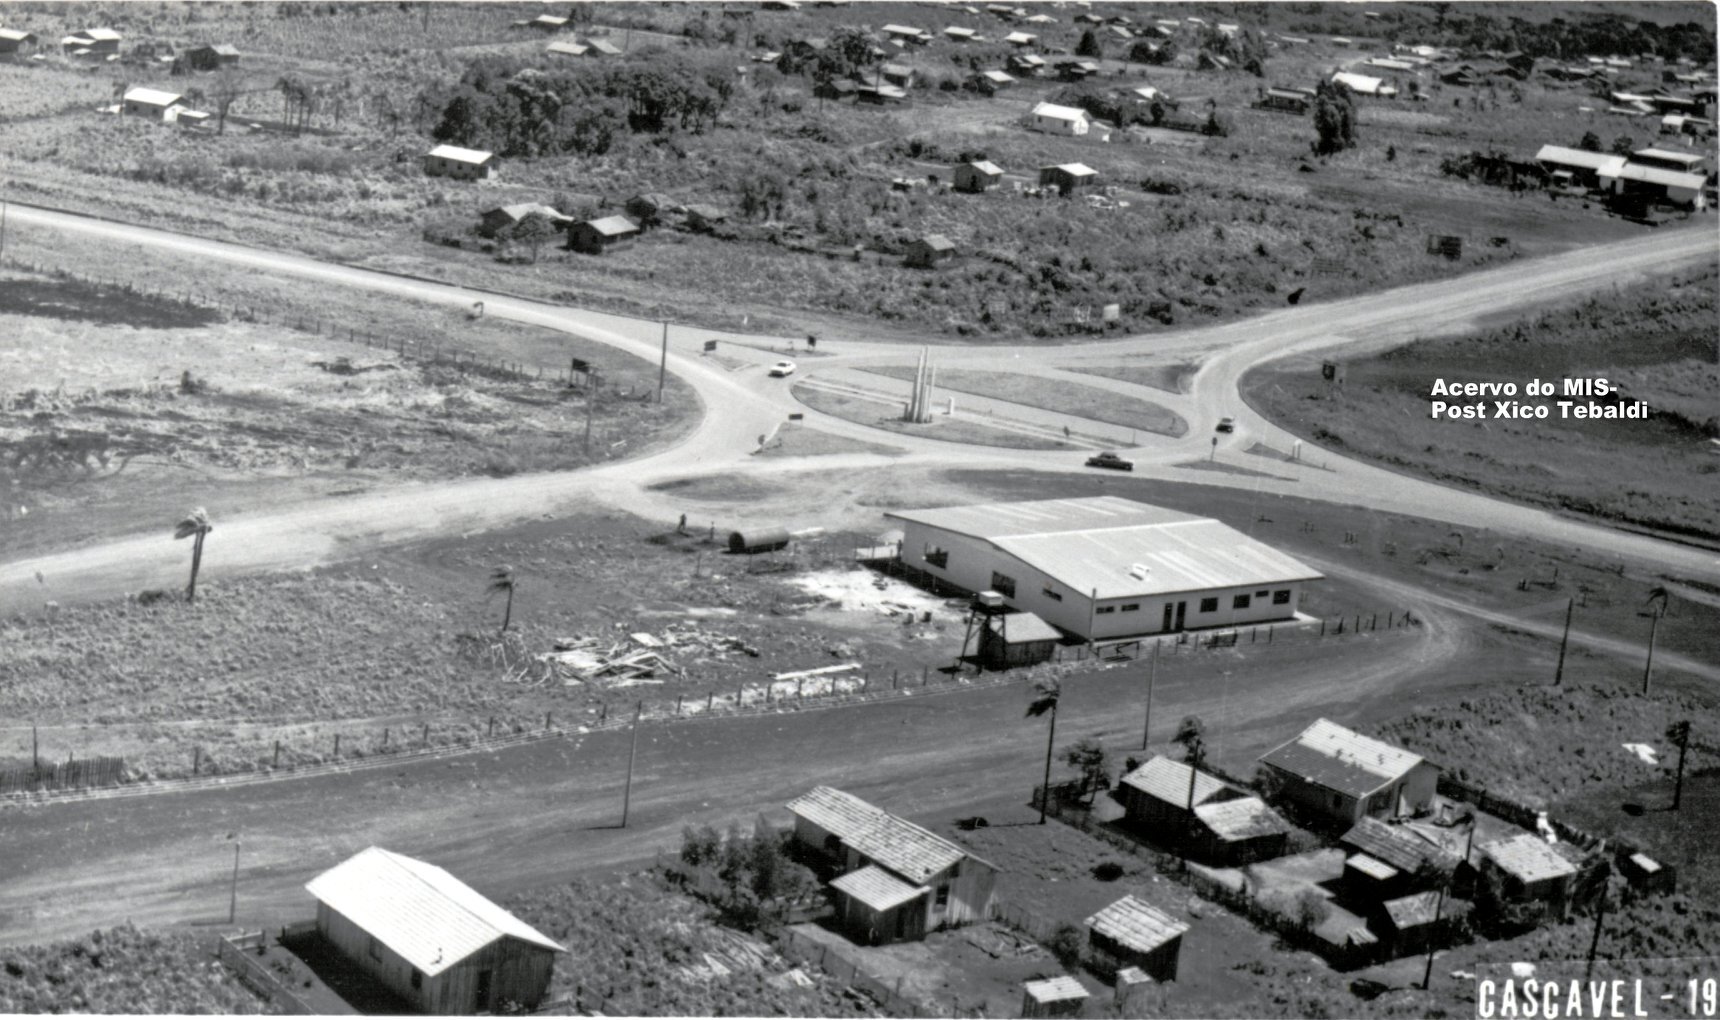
(1182, 615)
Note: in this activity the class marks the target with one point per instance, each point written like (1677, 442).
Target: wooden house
(1527, 869)
(460, 164)
(1061, 996)
(929, 252)
(1009, 640)
(494, 221)
(1059, 120)
(1068, 178)
(650, 209)
(594, 237)
(1224, 825)
(978, 176)
(989, 83)
(98, 41)
(1027, 65)
(212, 57)
(1391, 861)
(1133, 933)
(13, 40)
(1285, 101)
(1340, 776)
(895, 881)
(429, 938)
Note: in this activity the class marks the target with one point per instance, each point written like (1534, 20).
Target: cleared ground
(1056, 395)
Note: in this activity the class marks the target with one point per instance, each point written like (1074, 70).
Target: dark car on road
(1227, 425)
(1110, 460)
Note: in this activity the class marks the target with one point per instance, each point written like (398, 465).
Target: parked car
(781, 369)
(1110, 460)
(1227, 425)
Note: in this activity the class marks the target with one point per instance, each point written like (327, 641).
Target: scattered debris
(1646, 752)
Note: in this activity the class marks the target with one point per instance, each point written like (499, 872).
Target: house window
(1052, 594)
(1209, 605)
(1003, 584)
(374, 948)
(938, 557)
(1281, 598)
(1131, 607)
(1102, 610)
(1261, 594)
(943, 896)
(417, 978)
(1239, 602)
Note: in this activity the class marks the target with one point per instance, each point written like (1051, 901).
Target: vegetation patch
(122, 970)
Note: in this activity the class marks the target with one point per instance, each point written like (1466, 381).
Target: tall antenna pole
(632, 756)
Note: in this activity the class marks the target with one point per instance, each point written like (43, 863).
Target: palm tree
(1046, 693)
(1191, 734)
(1679, 733)
(502, 579)
(1657, 599)
(195, 526)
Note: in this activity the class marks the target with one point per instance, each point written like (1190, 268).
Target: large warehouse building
(1106, 568)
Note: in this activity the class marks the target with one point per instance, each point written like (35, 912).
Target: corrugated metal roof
(1061, 988)
(1056, 112)
(877, 888)
(1657, 175)
(572, 49)
(605, 47)
(1041, 517)
(154, 97)
(1000, 78)
(613, 226)
(432, 919)
(1167, 780)
(1136, 924)
(1401, 847)
(1341, 759)
(1412, 911)
(1023, 628)
(458, 154)
(100, 34)
(1528, 858)
(986, 166)
(1240, 819)
(1375, 869)
(1582, 158)
(905, 848)
(1021, 38)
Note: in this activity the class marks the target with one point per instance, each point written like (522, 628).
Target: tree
(224, 91)
(1191, 734)
(1334, 118)
(1679, 733)
(1066, 943)
(1089, 758)
(502, 580)
(532, 230)
(1089, 46)
(699, 845)
(1623, 145)
(195, 526)
(1046, 693)
(1590, 142)
(1658, 597)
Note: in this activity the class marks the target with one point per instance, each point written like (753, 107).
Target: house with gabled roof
(895, 881)
(1133, 933)
(1178, 805)
(977, 176)
(429, 938)
(1528, 869)
(1052, 118)
(1336, 774)
(151, 103)
(460, 163)
(594, 237)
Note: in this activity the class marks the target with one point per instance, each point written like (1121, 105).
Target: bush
(1108, 871)
(1066, 944)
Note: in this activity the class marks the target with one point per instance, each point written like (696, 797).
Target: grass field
(1656, 473)
(123, 970)
(1170, 378)
(1058, 395)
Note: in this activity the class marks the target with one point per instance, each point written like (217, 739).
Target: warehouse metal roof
(896, 843)
(1136, 924)
(1341, 759)
(1118, 547)
(432, 919)
(877, 888)
(1528, 858)
(1240, 819)
(1168, 781)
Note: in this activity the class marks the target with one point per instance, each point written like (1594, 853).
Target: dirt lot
(1057, 395)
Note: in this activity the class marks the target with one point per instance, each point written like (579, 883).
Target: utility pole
(1045, 788)
(590, 404)
(632, 756)
(663, 364)
(1648, 667)
(1559, 673)
(233, 898)
(1152, 674)
(1438, 908)
(1595, 942)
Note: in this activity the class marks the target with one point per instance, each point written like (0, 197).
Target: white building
(1106, 568)
(1060, 120)
(152, 103)
(1365, 85)
(1338, 773)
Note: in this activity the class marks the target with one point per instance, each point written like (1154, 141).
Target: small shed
(929, 252)
(594, 237)
(212, 57)
(1068, 178)
(1389, 861)
(956, 33)
(988, 82)
(879, 907)
(1419, 921)
(1017, 639)
(1240, 831)
(429, 938)
(899, 75)
(1528, 869)
(977, 176)
(758, 540)
(1133, 993)
(1053, 997)
(548, 23)
(1133, 933)
(152, 103)
(459, 163)
(1648, 875)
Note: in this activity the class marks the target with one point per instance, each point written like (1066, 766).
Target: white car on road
(781, 369)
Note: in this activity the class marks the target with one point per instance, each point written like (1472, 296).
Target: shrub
(1066, 943)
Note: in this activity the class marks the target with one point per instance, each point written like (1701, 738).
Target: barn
(1105, 568)
(1338, 774)
(1133, 933)
(429, 938)
(977, 176)
(895, 880)
(462, 164)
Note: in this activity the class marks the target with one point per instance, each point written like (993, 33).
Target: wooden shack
(1133, 933)
(1017, 639)
(429, 938)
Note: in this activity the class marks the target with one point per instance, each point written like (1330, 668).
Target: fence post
(602, 713)
(679, 698)
(385, 737)
(196, 760)
(548, 722)
(425, 739)
(277, 762)
(337, 745)
(492, 730)
(740, 690)
(1322, 628)
(710, 701)
(925, 675)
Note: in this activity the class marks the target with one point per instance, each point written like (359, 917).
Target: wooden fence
(71, 774)
(231, 951)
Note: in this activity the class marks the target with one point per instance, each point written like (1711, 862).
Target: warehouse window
(1239, 602)
(1209, 605)
(1261, 594)
(1281, 598)
(938, 557)
(1052, 594)
(1102, 610)
(1131, 607)
(1003, 584)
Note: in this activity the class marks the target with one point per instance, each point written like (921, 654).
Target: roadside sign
(710, 345)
